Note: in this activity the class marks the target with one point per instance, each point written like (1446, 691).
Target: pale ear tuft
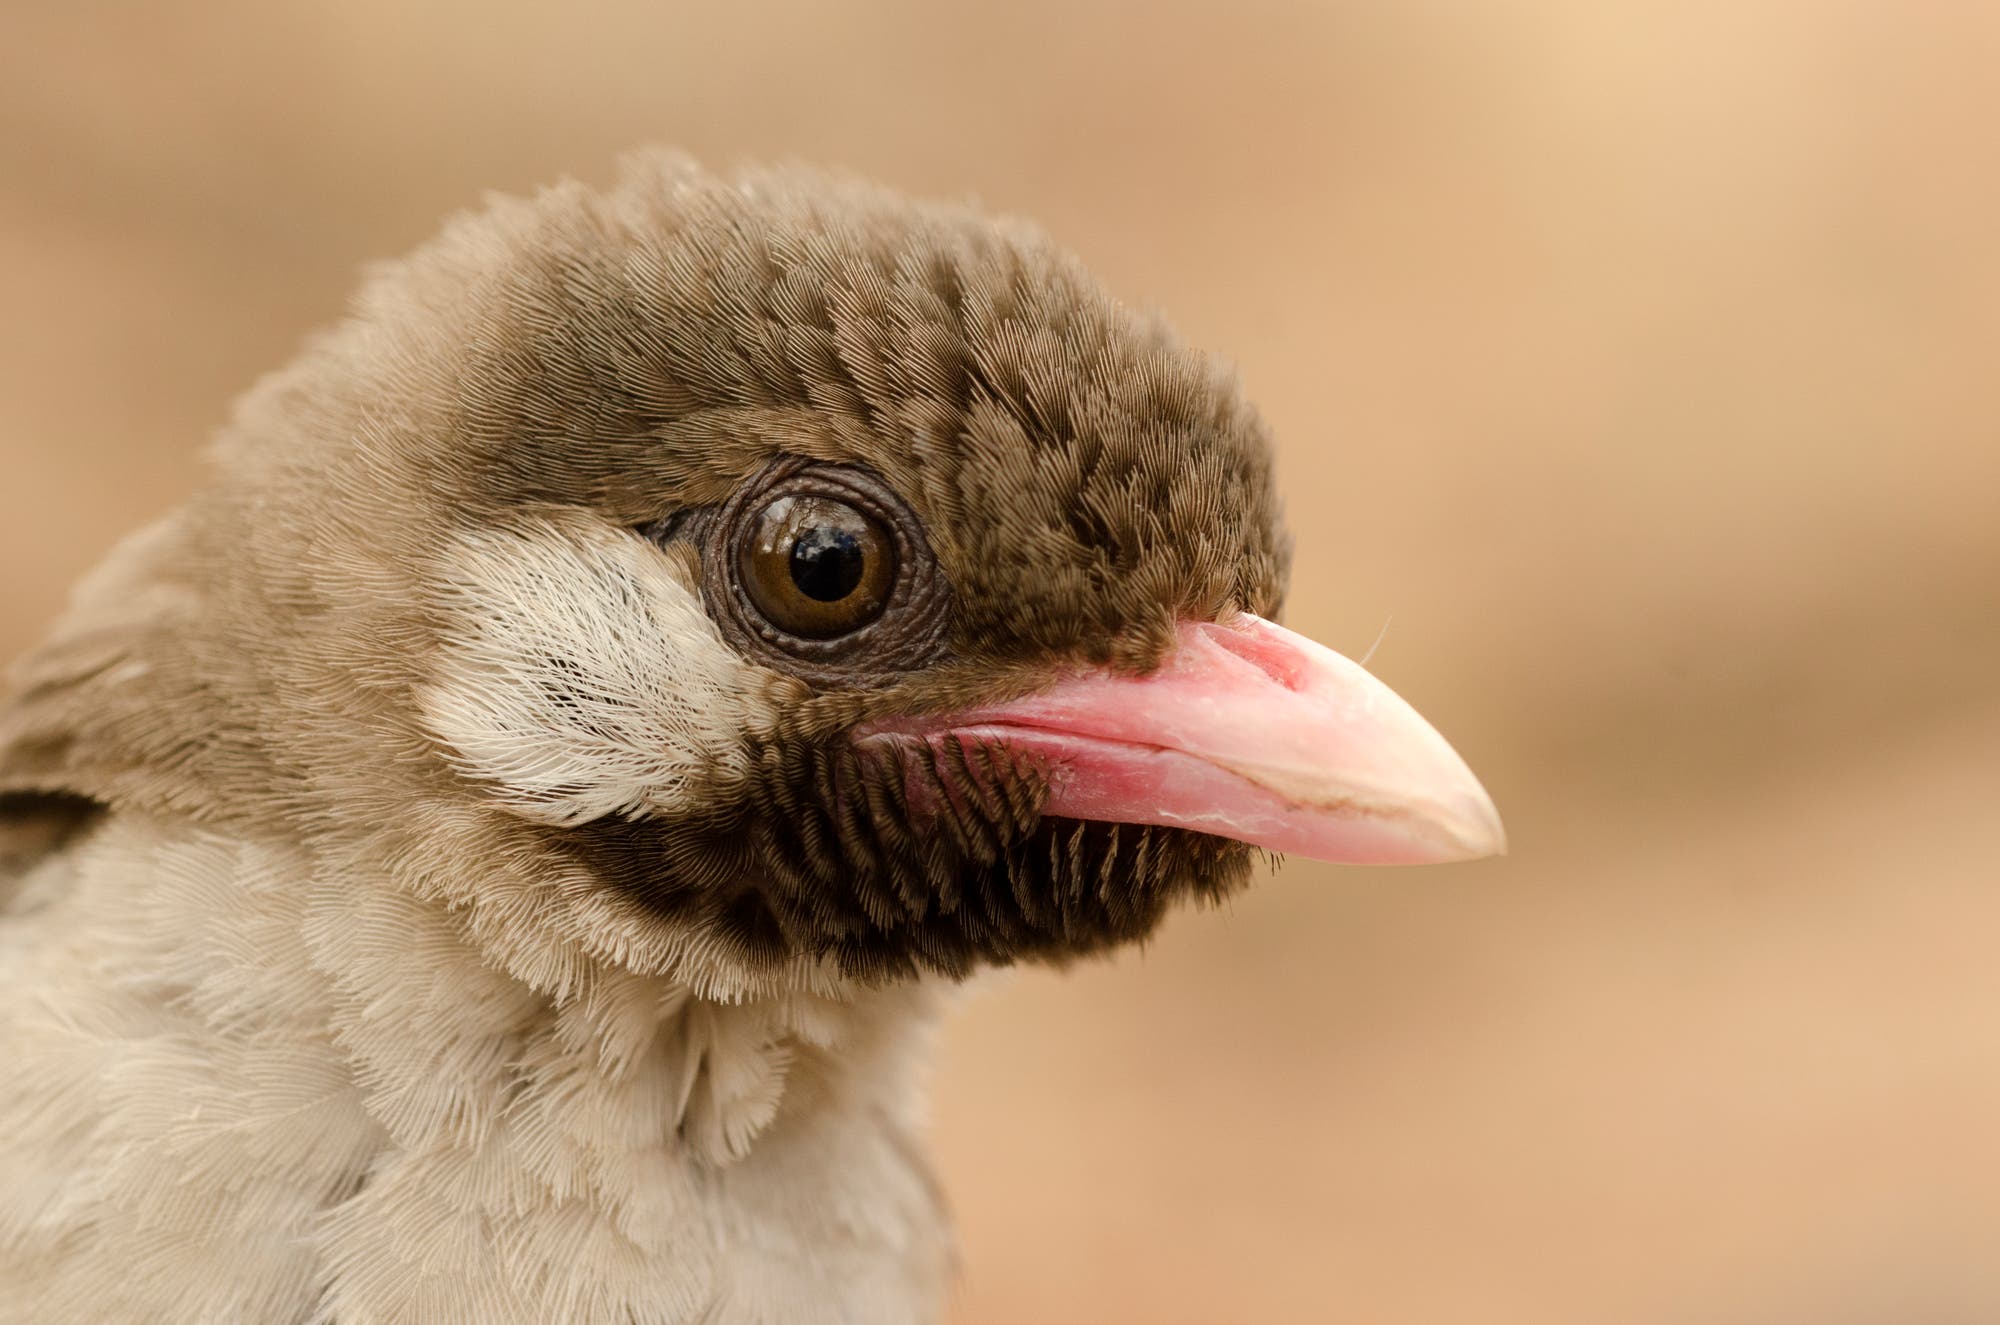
(579, 675)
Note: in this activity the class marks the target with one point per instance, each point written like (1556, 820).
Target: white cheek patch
(581, 677)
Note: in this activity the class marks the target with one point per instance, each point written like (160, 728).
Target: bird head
(763, 579)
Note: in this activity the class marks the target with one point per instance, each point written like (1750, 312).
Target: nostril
(1272, 655)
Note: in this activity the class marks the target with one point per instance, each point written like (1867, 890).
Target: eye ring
(897, 624)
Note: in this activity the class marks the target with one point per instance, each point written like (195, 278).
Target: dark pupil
(826, 563)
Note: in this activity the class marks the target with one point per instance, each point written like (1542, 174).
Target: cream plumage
(494, 854)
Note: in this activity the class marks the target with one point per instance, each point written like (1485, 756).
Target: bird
(497, 852)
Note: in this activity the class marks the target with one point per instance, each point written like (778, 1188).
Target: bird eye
(817, 567)
(822, 571)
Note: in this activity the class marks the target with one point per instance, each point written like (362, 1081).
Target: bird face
(772, 576)
(769, 719)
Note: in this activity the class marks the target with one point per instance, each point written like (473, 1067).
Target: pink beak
(1249, 731)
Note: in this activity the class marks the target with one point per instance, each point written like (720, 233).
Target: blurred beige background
(1636, 359)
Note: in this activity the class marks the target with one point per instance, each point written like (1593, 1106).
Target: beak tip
(1449, 828)
(1479, 831)
(1491, 846)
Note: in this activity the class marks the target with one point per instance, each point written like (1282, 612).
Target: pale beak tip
(1474, 827)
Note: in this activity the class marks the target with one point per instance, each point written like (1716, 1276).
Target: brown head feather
(305, 645)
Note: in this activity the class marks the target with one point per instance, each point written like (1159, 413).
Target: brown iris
(816, 567)
(821, 571)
